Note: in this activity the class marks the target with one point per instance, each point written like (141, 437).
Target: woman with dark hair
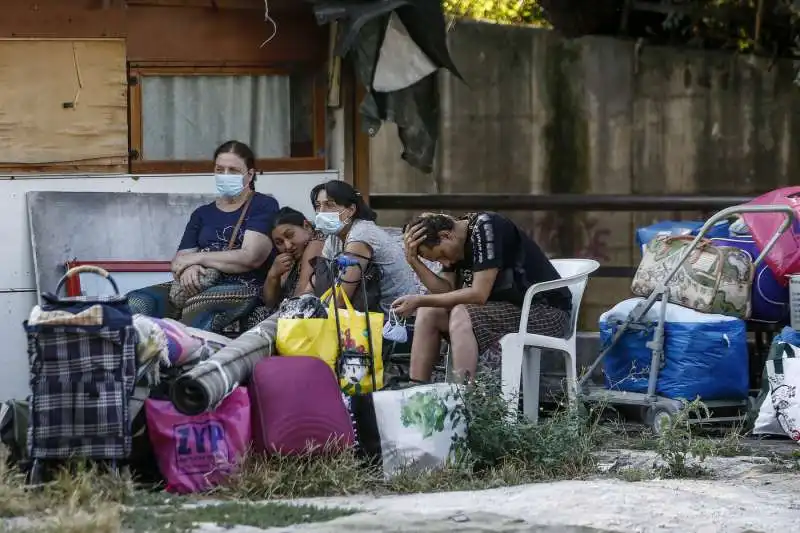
(349, 225)
(224, 254)
(297, 243)
(488, 264)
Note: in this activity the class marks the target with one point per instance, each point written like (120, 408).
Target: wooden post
(361, 170)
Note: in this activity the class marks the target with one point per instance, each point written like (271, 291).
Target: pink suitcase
(296, 402)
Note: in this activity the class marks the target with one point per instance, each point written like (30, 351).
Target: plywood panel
(63, 102)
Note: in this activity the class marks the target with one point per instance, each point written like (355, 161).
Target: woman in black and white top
(488, 264)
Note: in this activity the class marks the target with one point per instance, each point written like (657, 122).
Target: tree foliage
(506, 11)
(770, 27)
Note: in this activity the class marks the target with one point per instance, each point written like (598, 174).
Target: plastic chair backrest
(567, 268)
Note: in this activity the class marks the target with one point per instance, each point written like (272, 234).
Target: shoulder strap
(238, 225)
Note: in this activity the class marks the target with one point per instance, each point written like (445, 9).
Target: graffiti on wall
(591, 239)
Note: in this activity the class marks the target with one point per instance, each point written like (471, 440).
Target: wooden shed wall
(155, 34)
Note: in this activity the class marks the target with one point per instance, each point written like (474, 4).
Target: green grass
(262, 515)
(86, 500)
(500, 449)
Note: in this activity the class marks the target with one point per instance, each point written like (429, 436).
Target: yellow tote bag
(319, 337)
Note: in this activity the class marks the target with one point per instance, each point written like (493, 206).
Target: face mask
(395, 330)
(328, 223)
(229, 185)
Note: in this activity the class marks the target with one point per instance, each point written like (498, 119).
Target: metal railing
(557, 202)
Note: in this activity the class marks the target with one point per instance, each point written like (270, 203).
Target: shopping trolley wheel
(658, 418)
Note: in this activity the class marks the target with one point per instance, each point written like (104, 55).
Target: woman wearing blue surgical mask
(224, 254)
(350, 229)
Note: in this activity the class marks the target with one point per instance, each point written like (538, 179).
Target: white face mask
(328, 223)
(395, 329)
(229, 185)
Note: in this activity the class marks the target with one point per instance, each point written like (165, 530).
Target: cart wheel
(659, 418)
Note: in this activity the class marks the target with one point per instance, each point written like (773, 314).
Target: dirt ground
(753, 494)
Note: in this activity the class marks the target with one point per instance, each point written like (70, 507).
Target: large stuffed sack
(705, 355)
(783, 374)
(764, 415)
(413, 429)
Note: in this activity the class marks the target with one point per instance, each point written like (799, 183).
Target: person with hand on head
(350, 229)
(224, 254)
(297, 243)
(488, 264)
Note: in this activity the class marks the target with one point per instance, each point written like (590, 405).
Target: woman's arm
(482, 283)
(351, 277)
(256, 245)
(313, 249)
(272, 290)
(435, 283)
(189, 242)
(183, 259)
(255, 249)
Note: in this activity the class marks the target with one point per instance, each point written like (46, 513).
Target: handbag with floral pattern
(712, 279)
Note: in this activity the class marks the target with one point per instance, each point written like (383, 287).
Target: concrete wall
(541, 114)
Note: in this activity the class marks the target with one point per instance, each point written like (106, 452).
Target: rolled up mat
(203, 387)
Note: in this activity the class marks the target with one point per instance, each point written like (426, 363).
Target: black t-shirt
(496, 242)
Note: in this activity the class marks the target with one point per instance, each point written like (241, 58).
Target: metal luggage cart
(654, 408)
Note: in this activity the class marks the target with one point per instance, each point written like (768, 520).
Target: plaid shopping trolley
(82, 360)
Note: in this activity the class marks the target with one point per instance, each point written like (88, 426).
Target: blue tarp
(675, 228)
(705, 355)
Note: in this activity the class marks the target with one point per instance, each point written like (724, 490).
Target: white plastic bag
(418, 426)
(767, 421)
(784, 380)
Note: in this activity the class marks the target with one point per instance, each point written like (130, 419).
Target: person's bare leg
(463, 344)
(429, 325)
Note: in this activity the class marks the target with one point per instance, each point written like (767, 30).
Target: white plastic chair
(522, 351)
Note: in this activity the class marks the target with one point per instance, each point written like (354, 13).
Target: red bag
(784, 257)
(297, 403)
(195, 453)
